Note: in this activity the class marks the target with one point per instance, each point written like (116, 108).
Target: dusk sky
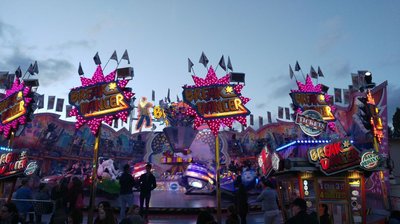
(261, 37)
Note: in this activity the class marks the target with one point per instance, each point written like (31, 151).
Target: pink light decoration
(95, 123)
(309, 87)
(13, 125)
(214, 124)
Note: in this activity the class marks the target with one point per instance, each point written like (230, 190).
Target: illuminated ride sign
(369, 160)
(313, 108)
(335, 157)
(12, 164)
(100, 99)
(13, 108)
(214, 101)
(311, 122)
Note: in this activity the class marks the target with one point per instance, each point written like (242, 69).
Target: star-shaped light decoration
(309, 87)
(95, 123)
(17, 86)
(210, 80)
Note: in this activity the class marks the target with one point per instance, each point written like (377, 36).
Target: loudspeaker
(125, 73)
(237, 77)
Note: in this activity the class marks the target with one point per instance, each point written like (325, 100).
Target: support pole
(10, 144)
(93, 187)
(217, 172)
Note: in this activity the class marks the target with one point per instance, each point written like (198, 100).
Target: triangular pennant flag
(222, 63)
(96, 59)
(30, 69)
(80, 70)
(230, 64)
(320, 74)
(125, 56)
(190, 65)
(291, 72)
(297, 67)
(18, 72)
(114, 56)
(203, 59)
(35, 68)
(168, 96)
(313, 73)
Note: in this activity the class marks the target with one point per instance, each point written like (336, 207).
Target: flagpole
(302, 74)
(192, 69)
(106, 64)
(217, 172)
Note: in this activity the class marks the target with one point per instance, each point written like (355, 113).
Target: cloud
(73, 44)
(261, 105)
(54, 70)
(332, 34)
(17, 58)
(342, 70)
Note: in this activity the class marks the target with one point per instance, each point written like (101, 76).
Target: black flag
(291, 72)
(96, 59)
(230, 64)
(320, 74)
(251, 119)
(153, 95)
(203, 59)
(114, 56)
(30, 69)
(168, 96)
(80, 70)
(35, 68)
(313, 73)
(126, 56)
(18, 72)
(190, 65)
(297, 67)
(222, 63)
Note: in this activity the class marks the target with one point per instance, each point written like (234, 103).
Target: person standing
(269, 197)
(23, 196)
(147, 184)
(126, 182)
(299, 211)
(241, 200)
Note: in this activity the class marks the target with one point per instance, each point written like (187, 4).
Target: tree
(396, 123)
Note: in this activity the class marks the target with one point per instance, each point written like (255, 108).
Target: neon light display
(265, 161)
(214, 101)
(100, 98)
(369, 160)
(12, 163)
(13, 108)
(375, 121)
(335, 157)
(310, 97)
(311, 122)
